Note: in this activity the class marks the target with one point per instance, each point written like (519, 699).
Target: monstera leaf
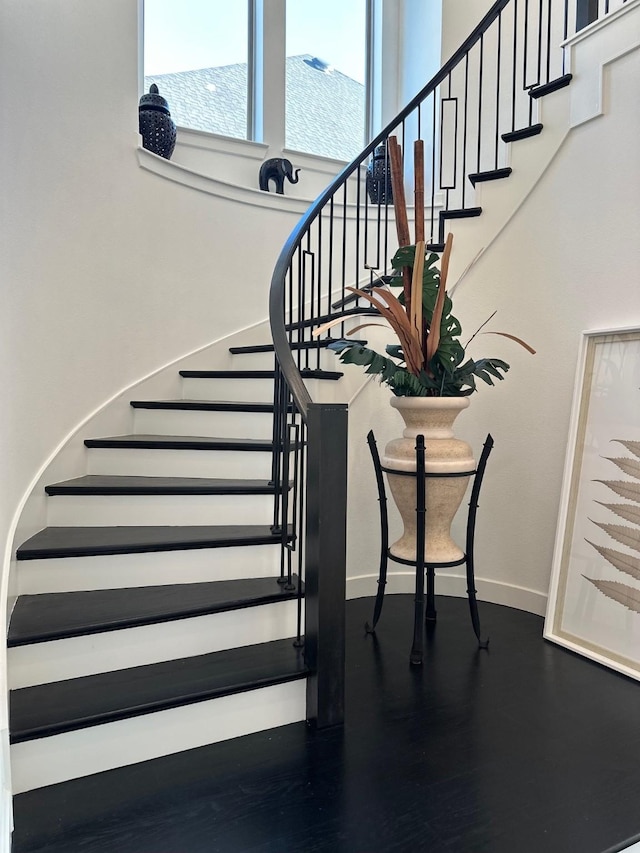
(429, 360)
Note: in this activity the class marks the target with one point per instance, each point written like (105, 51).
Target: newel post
(325, 572)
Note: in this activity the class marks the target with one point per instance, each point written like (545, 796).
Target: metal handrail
(292, 375)
(514, 59)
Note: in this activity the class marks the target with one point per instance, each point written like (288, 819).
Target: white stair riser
(238, 390)
(47, 761)
(42, 663)
(155, 568)
(122, 510)
(256, 361)
(259, 390)
(179, 463)
(193, 422)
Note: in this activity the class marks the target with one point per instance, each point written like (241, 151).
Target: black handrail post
(325, 572)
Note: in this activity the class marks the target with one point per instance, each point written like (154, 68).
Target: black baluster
(286, 579)
(515, 63)
(343, 277)
(565, 32)
(480, 71)
(498, 73)
(548, 40)
(330, 258)
(464, 127)
(297, 529)
(433, 168)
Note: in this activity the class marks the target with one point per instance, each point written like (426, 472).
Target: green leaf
(377, 364)
(395, 351)
(404, 257)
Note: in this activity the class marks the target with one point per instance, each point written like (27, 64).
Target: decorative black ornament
(157, 128)
(379, 177)
(277, 169)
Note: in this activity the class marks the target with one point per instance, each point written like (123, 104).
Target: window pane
(196, 51)
(326, 68)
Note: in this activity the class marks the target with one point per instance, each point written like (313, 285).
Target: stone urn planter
(432, 417)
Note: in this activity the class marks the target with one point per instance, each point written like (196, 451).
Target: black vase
(157, 128)
(379, 177)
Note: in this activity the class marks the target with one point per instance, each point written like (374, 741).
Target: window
(325, 77)
(197, 52)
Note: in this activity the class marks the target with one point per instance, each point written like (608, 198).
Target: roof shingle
(325, 110)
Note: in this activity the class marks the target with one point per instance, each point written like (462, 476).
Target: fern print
(622, 593)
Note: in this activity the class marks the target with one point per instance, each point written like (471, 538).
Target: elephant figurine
(277, 169)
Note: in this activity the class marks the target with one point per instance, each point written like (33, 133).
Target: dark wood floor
(525, 748)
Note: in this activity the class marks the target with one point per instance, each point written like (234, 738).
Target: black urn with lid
(157, 128)
(379, 176)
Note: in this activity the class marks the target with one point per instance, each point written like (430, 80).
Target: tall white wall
(459, 17)
(568, 261)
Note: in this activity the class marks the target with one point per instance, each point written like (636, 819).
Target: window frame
(387, 71)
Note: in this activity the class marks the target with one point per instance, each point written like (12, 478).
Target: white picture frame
(594, 596)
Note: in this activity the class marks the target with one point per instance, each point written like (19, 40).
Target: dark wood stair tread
(203, 405)
(102, 484)
(490, 175)
(294, 345)
(180, 442)
(256, 374)
(522, 133)
(77, 703)
(460, 213)
(55, 542)
(58, 615)
(551, 86)
(350, 313)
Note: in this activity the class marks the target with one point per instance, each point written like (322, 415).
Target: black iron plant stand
(422, 476)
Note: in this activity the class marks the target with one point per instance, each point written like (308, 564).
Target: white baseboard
(492, 591)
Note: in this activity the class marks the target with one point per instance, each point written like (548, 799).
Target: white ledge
(214, 186)
(171, 171)
(607, 19)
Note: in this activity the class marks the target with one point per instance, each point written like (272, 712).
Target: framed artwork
(594, 598)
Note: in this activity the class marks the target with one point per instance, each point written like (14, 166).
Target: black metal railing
(453, 134)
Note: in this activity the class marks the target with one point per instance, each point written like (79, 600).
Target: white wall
(459, 17)
(108, 271)
(569, 260)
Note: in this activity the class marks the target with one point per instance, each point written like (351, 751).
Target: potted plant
(431, 378)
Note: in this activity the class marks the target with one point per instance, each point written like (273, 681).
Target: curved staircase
(142, 628)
